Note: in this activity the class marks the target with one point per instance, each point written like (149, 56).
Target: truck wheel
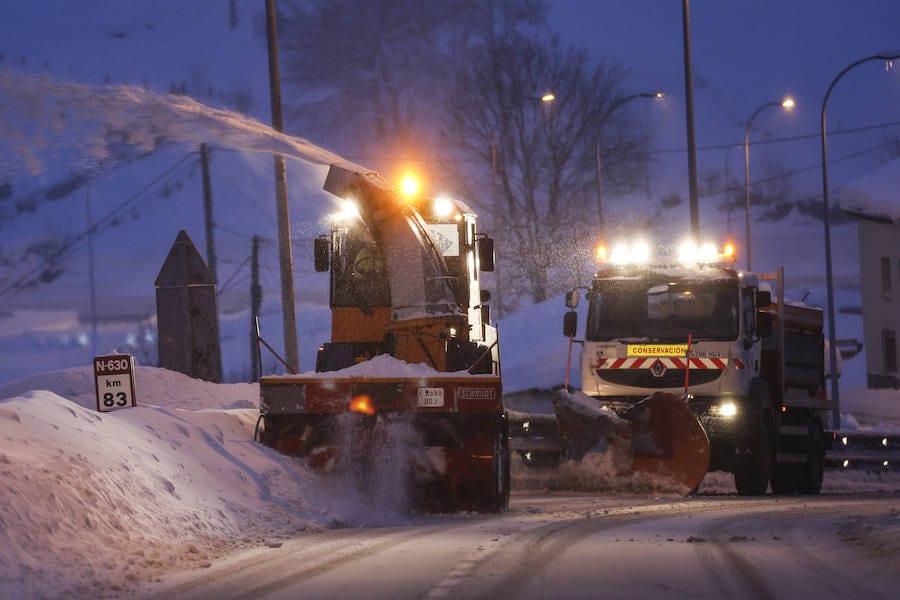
(784, 479)
(499, 501)
(810, 481)
(753, 470)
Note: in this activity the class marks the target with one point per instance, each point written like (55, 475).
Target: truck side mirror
(485, 296)
(570, 323)
(763, 323)
(485, 247)
(763, 299)
(321, 253)
(572, 299)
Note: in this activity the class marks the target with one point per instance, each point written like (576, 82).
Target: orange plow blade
(668, 440)
(659, 436)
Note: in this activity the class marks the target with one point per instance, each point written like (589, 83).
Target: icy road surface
(554, 546)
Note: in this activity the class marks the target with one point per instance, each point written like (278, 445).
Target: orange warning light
(362, 404)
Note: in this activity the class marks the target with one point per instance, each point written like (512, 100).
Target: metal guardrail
(867, 451)
(536, 437)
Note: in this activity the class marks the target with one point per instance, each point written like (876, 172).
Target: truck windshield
(663, 310)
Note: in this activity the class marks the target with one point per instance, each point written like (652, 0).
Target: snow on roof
(876, 194)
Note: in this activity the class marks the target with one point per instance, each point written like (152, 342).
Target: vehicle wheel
(500, 474)
(753, 470)
(784, 479)
(810, 481)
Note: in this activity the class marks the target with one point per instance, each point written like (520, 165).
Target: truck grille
(644, 378)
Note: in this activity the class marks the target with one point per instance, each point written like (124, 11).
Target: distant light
(885, 464)
(844, 440)
(548, 98)
(708, 252)
(602, 254)
(687, 252)
(409, 185)
(788, 103)
(729, 250)
(640, 253)
(347, 212)
(660, 94)
(846, 463)
(619, 254)
(443, 207)
(728, 409)
(884, 442)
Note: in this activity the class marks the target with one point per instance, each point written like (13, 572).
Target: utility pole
(255, 306)
(208, 211)
(286, 260)
(689, 109)
(90, 222)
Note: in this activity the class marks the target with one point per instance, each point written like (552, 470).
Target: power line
(787, 174)
(794, 138)
(67, 250)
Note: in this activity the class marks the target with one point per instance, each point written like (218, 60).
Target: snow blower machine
(408, 388)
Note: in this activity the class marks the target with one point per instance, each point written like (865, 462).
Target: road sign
(114, 378)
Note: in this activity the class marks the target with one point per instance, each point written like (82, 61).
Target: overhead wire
(73, 245)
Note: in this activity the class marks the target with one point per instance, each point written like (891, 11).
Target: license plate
(431, 397)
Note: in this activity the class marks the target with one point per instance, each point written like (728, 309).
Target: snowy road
(554, 546)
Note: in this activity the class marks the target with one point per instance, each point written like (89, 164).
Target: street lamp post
(786, 103)
(614, 106)
(832, 350)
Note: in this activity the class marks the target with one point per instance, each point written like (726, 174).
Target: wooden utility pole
(255, 306)
(208, 211)
(286, 260)
(689, 109)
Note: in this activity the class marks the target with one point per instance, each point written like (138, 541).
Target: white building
(874, 201)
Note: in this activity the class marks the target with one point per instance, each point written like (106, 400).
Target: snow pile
(91, 502)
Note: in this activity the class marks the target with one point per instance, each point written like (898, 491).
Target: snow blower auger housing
(411, 347)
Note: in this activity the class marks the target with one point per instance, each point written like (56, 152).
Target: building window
(885, 277)
(889, 350)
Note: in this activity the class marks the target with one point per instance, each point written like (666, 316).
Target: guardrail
(867, 451)
(536, 437)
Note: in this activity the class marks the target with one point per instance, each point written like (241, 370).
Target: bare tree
(532, 164)
(459, 80)
(373, 73)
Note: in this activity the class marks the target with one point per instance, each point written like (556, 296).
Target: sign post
(114, 379)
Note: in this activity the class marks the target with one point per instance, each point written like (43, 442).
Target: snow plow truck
(412, 358)
(706, 369)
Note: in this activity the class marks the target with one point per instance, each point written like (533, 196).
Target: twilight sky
(746, 54)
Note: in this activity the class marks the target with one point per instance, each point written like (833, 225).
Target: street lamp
(832, 350)
(614, 106)
(786, 103)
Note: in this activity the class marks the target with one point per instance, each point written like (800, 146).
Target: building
(874, 202)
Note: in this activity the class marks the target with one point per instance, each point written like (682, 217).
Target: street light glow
(548, 98)
(787, 103)
(409, 185)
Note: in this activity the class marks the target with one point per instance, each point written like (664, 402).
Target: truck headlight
(727, 409)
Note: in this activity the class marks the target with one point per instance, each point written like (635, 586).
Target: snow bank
(90, 502)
